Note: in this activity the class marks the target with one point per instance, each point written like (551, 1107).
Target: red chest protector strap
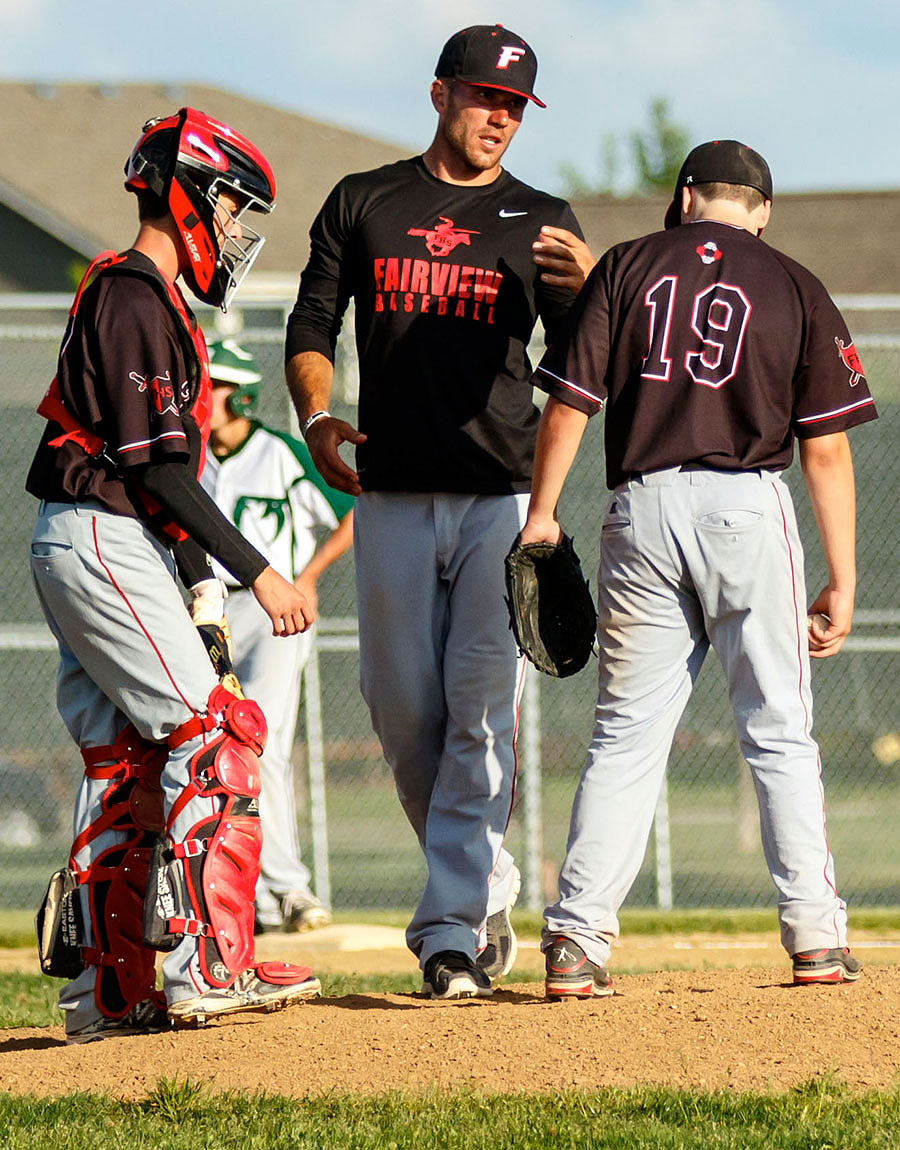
(53, 408)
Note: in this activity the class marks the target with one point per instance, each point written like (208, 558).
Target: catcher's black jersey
(446, 295)
(124, 374)
(707, 346)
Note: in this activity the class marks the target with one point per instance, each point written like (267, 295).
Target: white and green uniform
(269, 488)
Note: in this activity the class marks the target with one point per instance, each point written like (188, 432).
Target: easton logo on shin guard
(60, 927)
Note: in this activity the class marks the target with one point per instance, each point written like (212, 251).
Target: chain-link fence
(706, 850)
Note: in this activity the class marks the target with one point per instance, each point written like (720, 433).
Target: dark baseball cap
(720, 162)
(490, 56)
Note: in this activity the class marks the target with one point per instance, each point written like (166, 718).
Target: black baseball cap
(490, 56)
(720, 162)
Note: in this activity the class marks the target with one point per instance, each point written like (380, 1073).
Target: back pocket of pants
(730, 519)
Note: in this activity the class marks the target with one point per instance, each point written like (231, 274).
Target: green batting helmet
(229, 363)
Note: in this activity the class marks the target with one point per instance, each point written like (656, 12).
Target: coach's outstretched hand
(323, 440)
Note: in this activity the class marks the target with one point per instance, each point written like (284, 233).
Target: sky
(813, 85)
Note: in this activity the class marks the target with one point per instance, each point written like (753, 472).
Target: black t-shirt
(447, 295)
(707, 346)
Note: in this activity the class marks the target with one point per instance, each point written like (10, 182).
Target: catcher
(167, 834)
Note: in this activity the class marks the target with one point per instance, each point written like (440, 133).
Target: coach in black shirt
(450, 261)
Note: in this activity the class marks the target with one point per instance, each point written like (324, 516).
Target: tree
(659, 152)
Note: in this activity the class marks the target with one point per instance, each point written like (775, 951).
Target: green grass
(30, 999)
(17, 926)
(816, 1116)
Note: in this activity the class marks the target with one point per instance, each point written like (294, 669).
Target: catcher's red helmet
(187, 159)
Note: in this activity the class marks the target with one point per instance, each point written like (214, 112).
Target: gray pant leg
(269, 669)
(757, 625)
(439, 672)
(128, 652)
(652, 646)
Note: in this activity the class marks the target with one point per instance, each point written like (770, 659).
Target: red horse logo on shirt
(847, 352)
(443, 237)
(161, 390)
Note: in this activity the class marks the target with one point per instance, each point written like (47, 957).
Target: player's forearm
(176, 489)
(828, 471)
(559, 435)
(309, 376)
(332, 548)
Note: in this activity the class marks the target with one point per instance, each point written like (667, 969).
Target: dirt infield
(733, 1021)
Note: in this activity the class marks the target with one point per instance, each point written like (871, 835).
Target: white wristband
(207, 603)
(314, 418)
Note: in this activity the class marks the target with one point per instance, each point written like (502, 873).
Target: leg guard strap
(204, 886)
(243, 718)
(136, 760)
(114, 880)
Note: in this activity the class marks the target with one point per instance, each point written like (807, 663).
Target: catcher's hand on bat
(565, 260)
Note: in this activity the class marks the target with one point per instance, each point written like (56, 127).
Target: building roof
(848, 239)
(65, 145)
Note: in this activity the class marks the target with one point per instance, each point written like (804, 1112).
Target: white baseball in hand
(818, 624)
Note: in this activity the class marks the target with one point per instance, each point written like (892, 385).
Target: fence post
(663, 849)
(315, 757)
(530, 741)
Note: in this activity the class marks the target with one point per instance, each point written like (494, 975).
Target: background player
(171, 758)
(711, 352)
(439, 253)
(265, 483)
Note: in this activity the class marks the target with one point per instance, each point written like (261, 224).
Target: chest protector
(53, 408)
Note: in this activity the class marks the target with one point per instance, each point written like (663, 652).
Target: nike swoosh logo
(505, 213)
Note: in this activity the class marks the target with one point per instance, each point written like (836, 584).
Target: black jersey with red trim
(126, 374)
(447, 295)
(129, 374)
(706, 346)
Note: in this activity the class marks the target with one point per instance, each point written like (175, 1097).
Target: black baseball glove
(551, 611)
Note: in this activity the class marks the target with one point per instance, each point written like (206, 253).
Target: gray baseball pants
(693, 559)
(128, 652)
(269, 668)
(442, 679)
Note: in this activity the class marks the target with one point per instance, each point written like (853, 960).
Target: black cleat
(571, 974)
(499, 953)
(146, 1017)
(450, 974)
(837, 965)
